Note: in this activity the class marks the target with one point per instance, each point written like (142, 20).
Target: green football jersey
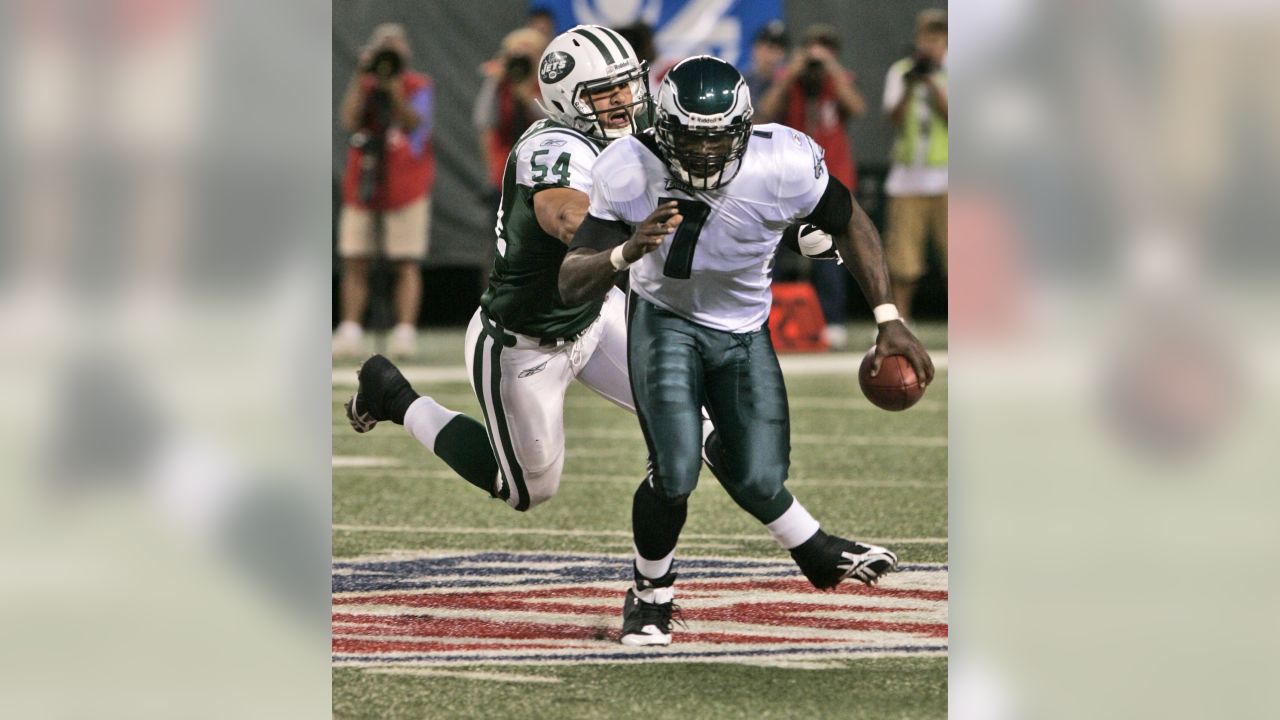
(523, 294)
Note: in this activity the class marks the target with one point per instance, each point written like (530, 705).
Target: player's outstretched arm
(863, 256)
(560, 211)
(599, 252)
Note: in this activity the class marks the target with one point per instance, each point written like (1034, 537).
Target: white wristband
(887, 312)
(619, 262)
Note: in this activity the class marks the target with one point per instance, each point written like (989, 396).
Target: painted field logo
(527, 608)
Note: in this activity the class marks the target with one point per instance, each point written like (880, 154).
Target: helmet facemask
(704, 154)
(601, 122)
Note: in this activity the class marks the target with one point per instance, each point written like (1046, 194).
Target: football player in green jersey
(525, 344)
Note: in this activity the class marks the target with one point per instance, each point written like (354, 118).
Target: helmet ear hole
(558, 105)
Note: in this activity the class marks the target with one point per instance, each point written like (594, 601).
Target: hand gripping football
(895, 387)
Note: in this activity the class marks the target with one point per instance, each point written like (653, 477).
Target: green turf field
(863, 472)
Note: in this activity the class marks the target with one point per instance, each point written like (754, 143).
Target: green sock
(464, 445)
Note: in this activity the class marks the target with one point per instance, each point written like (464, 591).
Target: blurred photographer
(915, 99)
(768, 53)
(817, 95)
(387, 109)
(507, 103)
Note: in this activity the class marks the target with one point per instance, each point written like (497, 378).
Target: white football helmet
(587, 59)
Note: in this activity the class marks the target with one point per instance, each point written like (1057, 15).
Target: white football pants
(521, 389)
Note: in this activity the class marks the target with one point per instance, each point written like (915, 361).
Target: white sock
(794, 526)
(654, 569)
(656, 596)
(425, 418)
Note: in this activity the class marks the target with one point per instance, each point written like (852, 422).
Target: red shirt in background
(819, 117)
(512, 120)
(410, 163)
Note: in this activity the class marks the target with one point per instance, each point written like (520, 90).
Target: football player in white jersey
(696, 209)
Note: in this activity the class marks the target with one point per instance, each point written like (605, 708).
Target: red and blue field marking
(538, 608)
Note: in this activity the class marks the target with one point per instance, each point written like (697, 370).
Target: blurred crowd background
(165, 303)
(818, 66)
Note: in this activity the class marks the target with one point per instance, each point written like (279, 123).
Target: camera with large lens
(376, 117)
(813, 78)
(386, 63)
(518, 68)
(923, 68)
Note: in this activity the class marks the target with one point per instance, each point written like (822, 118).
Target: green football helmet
(703, 121)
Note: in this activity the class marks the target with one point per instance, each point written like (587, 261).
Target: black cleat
(645, 622)
(382, 394)
(826, 560)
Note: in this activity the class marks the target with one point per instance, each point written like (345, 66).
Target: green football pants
(677, 366)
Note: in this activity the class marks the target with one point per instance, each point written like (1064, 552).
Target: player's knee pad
(760, 485)
(673, 500)
(539, 496)
(678, 475)
(659, 493)
(670, 492)
(541, 485)
(539, 458)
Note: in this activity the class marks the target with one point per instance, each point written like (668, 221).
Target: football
(895, 387)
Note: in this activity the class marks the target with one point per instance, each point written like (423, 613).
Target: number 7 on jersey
(679, 263)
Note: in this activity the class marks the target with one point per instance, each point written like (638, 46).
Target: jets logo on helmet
(555, 66)
(703, 121)
(587, 61)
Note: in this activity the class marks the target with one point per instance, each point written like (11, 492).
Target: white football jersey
(552, 155)
(714, 269)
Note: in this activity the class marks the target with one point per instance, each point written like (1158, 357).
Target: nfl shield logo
(532, 608)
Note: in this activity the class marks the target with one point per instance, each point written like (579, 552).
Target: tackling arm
(560, 210)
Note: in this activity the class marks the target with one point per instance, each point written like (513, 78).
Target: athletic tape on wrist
(619, 262)
(887, 312)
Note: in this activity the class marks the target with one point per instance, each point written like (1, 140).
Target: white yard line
(363, 461)
(464, 674)
(416, 473)
(818, 364)
(796, 439)
(549, 532)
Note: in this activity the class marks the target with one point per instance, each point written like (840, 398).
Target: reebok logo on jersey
(553, 142)
(533, 370)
